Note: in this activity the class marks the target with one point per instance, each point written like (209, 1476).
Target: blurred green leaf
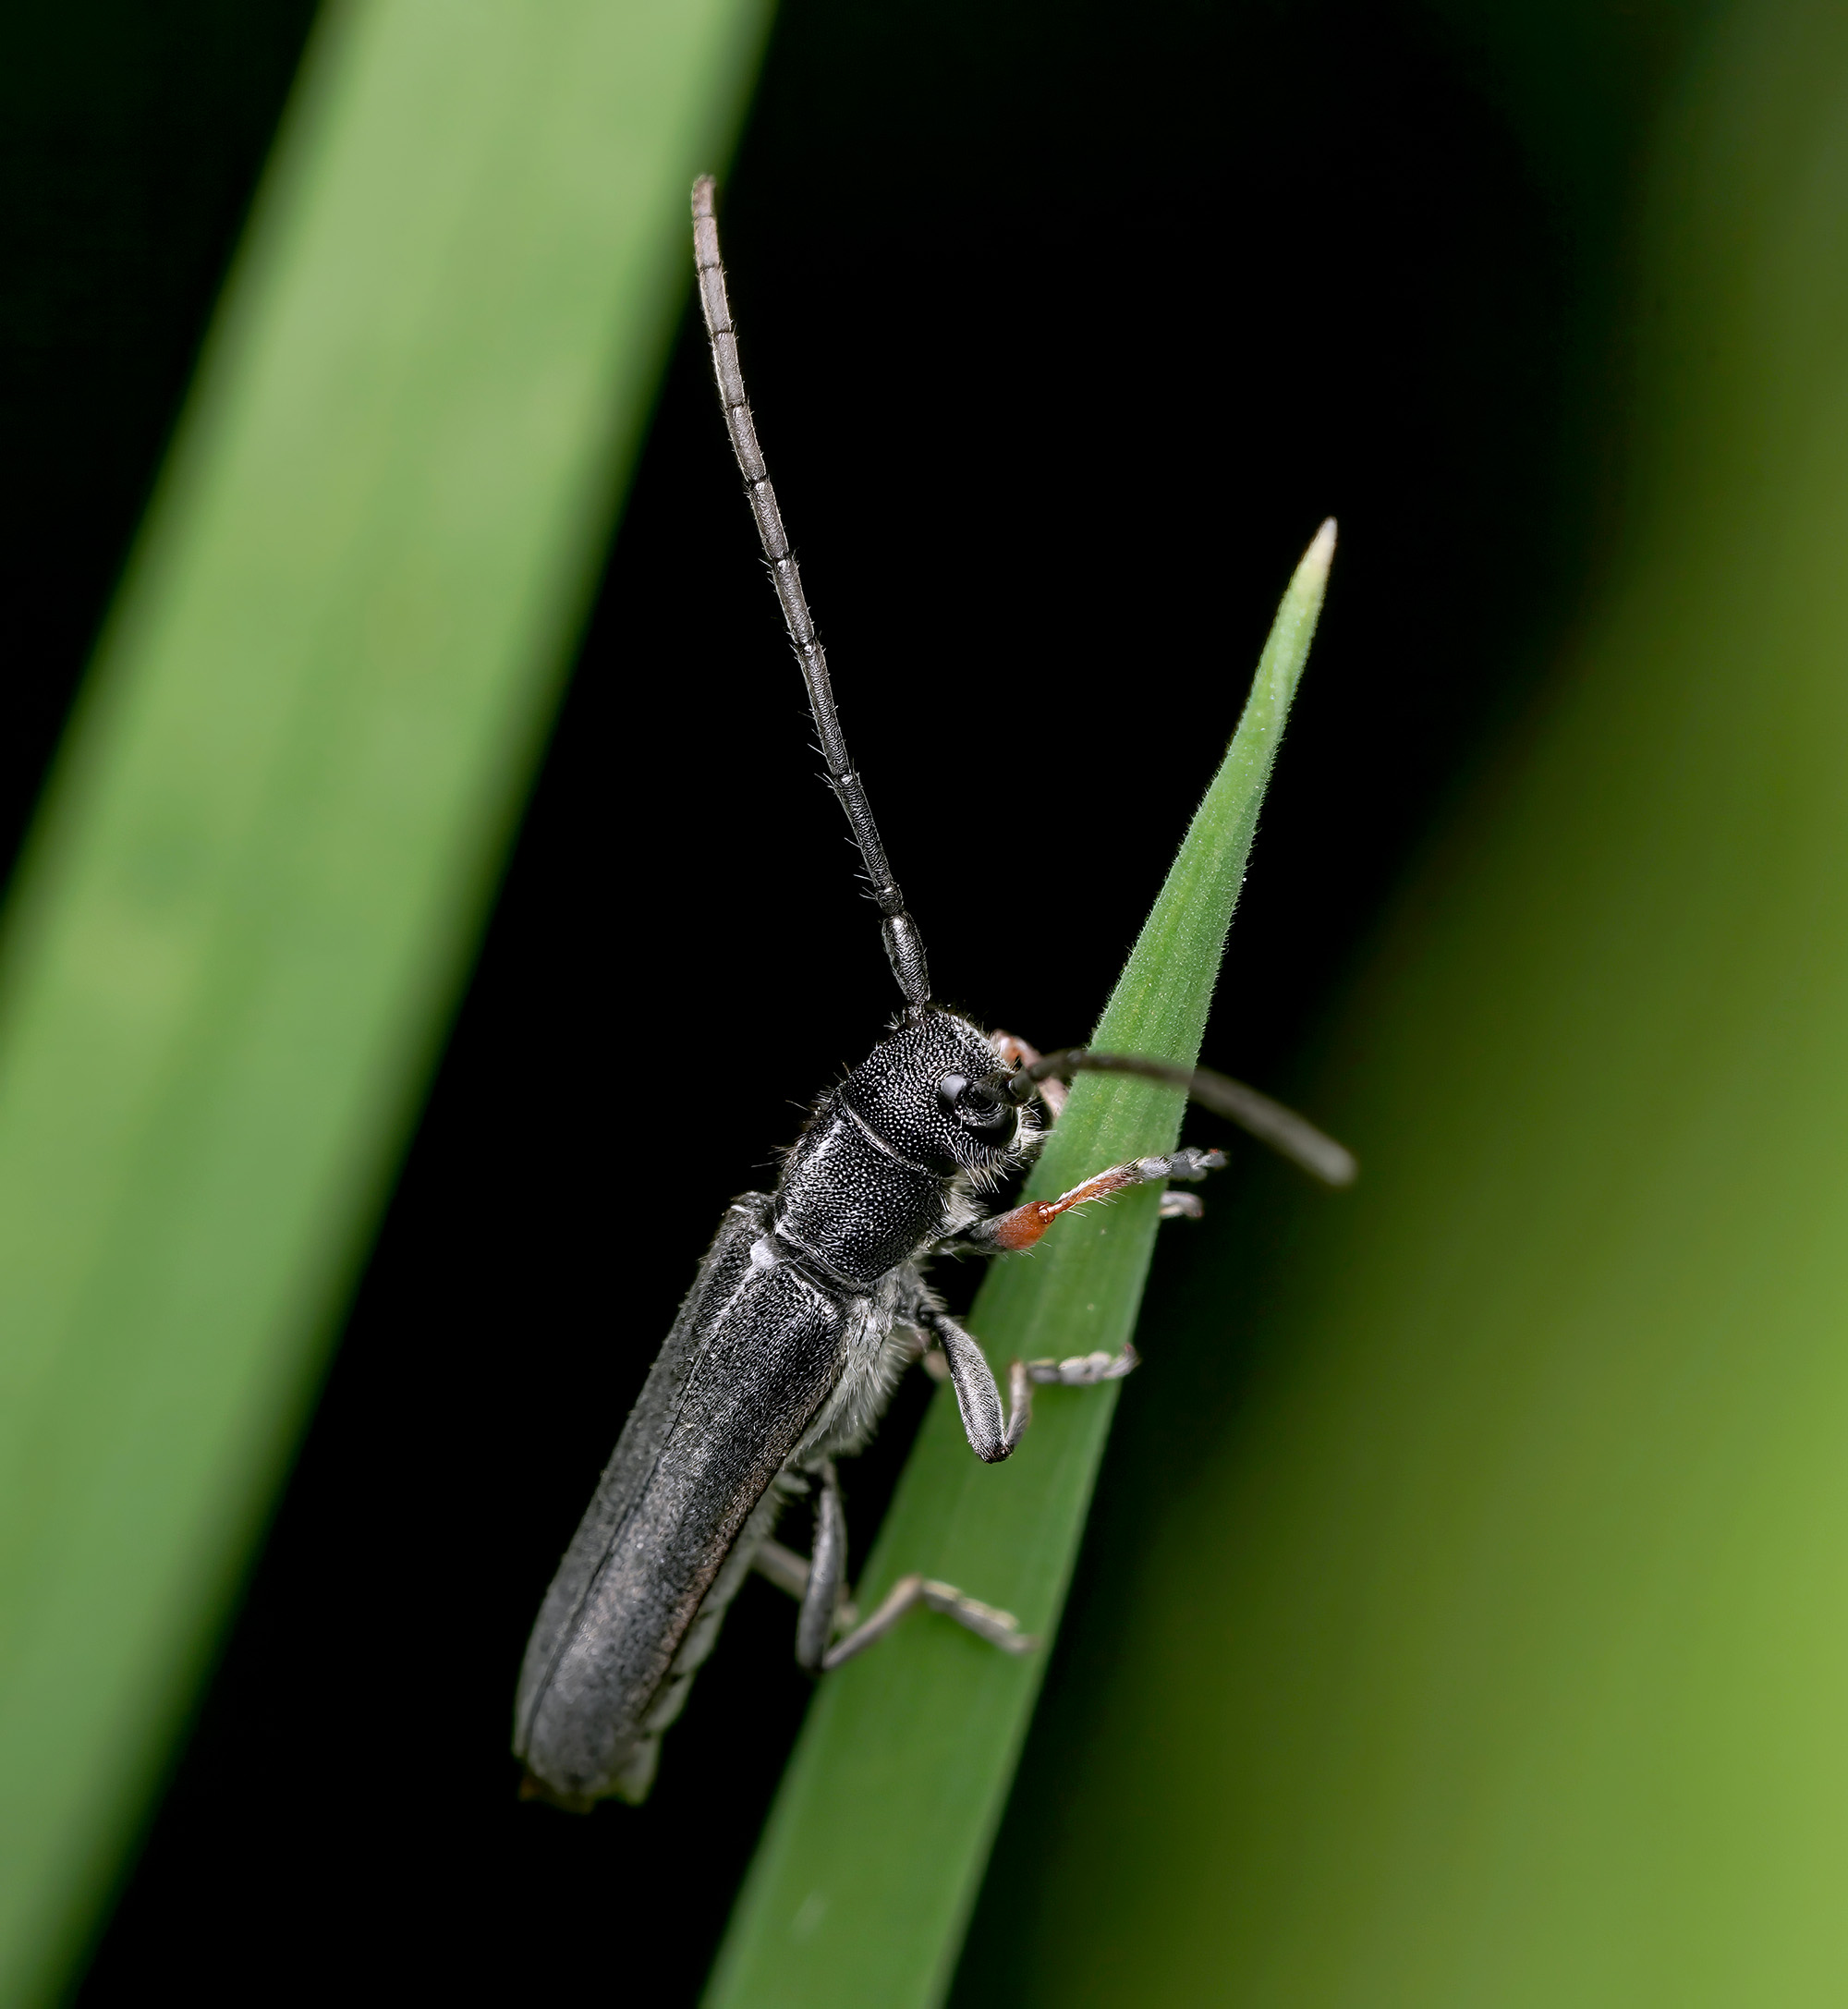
(1494, 1647)
(863, 1880)
(270, 839)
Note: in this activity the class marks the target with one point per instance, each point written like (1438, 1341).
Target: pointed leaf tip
(1288, 647)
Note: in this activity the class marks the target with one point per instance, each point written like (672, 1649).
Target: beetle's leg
(1021, 1226)
(999, 1628)
(818, 1582)
(1017, 1054)
(1053, 1092)
(978, 1396)
(784, 1568)
(1085, 1370)
(789, 1572)
(925, 1352)
(821, 1581)
(827, 1573)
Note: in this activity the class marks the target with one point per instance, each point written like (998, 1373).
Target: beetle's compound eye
(950, 1093)
(976, 1108)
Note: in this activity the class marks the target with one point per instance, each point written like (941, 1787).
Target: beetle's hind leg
(999, 1628)
(827, 1581)
(820, 1582)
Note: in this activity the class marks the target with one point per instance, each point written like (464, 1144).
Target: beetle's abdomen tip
(532, 1787)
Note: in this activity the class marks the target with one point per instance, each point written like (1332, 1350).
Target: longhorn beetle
(811, 1302)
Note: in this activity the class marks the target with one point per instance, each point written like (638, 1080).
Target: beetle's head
(921, 1090)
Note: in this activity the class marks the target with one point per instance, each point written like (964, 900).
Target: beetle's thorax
(885, 1170)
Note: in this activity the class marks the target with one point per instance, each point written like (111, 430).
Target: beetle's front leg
(1017, 1054)
(1053, 1092)
(977, 1395)
(1021, 1226)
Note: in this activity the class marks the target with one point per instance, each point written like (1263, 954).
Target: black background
(1063, 329)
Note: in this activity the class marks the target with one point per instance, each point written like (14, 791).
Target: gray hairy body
(784, 1354)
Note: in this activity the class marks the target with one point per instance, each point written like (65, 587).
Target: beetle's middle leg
(991, 1436)
(1081, 1370)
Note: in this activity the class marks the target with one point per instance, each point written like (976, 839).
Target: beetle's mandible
(812, 1301)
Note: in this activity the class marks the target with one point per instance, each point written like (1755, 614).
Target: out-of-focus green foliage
(864, 1876)
(1498, 1652)
(266, 850)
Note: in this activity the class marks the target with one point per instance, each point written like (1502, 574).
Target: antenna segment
(903, 946)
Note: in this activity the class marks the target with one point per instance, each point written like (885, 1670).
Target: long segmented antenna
(1290, 1135)
(903, 946)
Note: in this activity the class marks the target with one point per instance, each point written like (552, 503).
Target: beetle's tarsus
(1023, 1225)
(998, 1628)
(1085, 1370)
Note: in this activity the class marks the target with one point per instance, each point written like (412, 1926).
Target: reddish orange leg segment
(1023, 1225)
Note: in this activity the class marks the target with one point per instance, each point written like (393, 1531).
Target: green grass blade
(1500, 1631)
(862, 1884)
(267, 847)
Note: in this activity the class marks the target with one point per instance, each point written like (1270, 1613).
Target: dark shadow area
(1064, 329)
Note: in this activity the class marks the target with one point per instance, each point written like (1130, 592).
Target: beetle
(811, 1302)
